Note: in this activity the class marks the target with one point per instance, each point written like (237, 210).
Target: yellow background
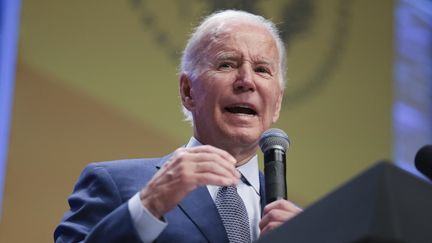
(94, 83)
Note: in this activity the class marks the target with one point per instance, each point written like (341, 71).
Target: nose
(244, 81)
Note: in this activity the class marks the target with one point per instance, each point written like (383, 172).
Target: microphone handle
(275, 175)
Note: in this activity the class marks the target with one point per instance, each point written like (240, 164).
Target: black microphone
(274, 144)
(423, 161)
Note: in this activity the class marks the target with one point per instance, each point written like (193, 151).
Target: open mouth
(241, 110)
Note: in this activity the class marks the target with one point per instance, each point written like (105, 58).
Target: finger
(276, 215)
(270, 227)
(213, 161)
(173, 160)
(211, 167)
(197, 174)
(185, 157)
(211, 149)
(216, 180)
(160, 195)
(189, 181)
(282, 205)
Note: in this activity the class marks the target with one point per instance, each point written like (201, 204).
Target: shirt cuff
(148, 226)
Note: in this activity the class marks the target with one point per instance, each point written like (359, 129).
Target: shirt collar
(193, 142)
(249, 170)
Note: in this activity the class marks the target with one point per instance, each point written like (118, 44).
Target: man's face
(237, 95)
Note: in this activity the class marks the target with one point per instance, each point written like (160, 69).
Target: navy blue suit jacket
(99, 207)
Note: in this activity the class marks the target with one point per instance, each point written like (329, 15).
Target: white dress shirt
(149, 227)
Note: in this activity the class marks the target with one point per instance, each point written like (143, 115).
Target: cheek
(206, 100)
(273, 104)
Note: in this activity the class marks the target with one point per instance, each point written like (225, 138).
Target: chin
(246, 136)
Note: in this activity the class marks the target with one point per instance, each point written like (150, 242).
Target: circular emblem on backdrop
(301, 23)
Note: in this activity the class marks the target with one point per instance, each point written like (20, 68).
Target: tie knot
(228, 188)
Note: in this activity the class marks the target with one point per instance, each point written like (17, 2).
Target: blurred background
(84, 81)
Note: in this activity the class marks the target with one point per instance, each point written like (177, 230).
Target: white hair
(208, 29)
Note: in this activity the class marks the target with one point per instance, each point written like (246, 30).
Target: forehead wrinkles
(211, 41)
(231, 46)
(230, 41)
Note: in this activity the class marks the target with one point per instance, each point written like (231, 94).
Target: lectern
(383, 204)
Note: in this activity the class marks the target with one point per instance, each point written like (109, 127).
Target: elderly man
(211, 190)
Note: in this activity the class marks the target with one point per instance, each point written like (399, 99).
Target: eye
(226, 65)
(262, 69)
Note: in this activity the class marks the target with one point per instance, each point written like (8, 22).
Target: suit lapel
(199, 207)
(163, 160)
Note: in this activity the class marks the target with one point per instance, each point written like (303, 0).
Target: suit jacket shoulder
(98, 203)
(99, 211)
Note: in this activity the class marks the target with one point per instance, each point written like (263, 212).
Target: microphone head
(274, 138)
(423, 161)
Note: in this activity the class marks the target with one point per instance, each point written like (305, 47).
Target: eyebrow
(265, 62)
(232, 55)
(223, 55)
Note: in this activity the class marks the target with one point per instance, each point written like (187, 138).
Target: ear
(185, 92)
(278, 107)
